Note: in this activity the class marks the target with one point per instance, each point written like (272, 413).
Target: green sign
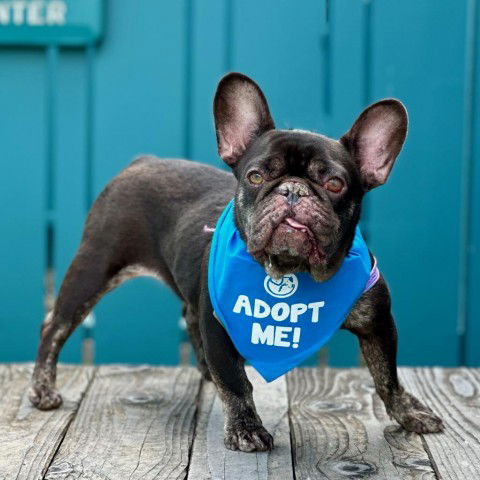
(47, 22)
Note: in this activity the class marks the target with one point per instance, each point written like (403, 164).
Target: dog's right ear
(241, 114)
(376, 139)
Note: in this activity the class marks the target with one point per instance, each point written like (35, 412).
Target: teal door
(70, 119)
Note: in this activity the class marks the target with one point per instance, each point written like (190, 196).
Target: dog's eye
(255, 178)
(334, 185)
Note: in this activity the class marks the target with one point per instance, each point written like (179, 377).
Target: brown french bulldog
(151, 218)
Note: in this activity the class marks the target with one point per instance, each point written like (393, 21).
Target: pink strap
(374, 276)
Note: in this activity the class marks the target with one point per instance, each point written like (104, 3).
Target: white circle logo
(282, 288)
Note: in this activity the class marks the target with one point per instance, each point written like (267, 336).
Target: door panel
(210, 61)
(71, 171)
(23, 201)
(414, 220)
(139, 108)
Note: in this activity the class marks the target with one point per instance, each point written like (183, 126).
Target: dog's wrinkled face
(298, 202)
(299, 193)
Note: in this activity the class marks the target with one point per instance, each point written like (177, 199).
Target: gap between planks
(73, 416)
(454, 394)
(134, 423)
(340, 430)
(211, 460)
(30, 437)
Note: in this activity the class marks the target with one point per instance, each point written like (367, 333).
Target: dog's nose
(293, 191)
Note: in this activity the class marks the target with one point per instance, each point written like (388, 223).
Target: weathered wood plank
(210, 458)
(454, 394)
(340, 429)
(135, 422)
(29, 437)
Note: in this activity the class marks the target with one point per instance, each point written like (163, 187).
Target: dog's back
(151, 208)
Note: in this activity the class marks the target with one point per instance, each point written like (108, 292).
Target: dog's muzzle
(293, 191)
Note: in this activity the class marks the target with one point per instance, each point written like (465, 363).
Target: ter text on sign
(47, 22)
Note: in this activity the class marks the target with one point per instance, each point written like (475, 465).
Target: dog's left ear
(376, 139)
(241, 114)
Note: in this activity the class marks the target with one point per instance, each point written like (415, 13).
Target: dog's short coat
(157, 215)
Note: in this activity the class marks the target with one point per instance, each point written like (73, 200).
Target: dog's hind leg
(89, 276)
(193, 329)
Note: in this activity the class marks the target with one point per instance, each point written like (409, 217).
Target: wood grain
(210, 458)
(340, 430)
(454, 394)
(134, 423)
(29, 438)
(139, 422)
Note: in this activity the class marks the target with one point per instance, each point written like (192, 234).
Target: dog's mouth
(293, 242)
(286, 239)
(291, 222)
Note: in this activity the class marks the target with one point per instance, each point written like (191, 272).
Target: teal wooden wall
(71, 119)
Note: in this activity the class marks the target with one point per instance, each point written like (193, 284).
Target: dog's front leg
(243, 427)
(372, 321)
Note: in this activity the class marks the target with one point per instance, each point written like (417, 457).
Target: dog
(157, 216)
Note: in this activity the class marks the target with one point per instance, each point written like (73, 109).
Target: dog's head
(299, 193)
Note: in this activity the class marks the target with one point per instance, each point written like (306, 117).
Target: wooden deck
(145, 422)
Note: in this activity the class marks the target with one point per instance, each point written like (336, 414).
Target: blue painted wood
(210, 39)
(139, 109)
(69, 185)
(277, 44)
(345, 27)
(472, 356)
(414, 220)
(154, 79)
(23, 201)
(138, 323)
(472, 307)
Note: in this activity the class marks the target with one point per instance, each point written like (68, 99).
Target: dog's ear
(241, 114)
(376, 139)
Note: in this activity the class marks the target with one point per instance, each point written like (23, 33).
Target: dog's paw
(44, 398)
(245, 438)
(413, 416)
(421, 421)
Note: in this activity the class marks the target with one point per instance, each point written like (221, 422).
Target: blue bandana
(277, 324)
